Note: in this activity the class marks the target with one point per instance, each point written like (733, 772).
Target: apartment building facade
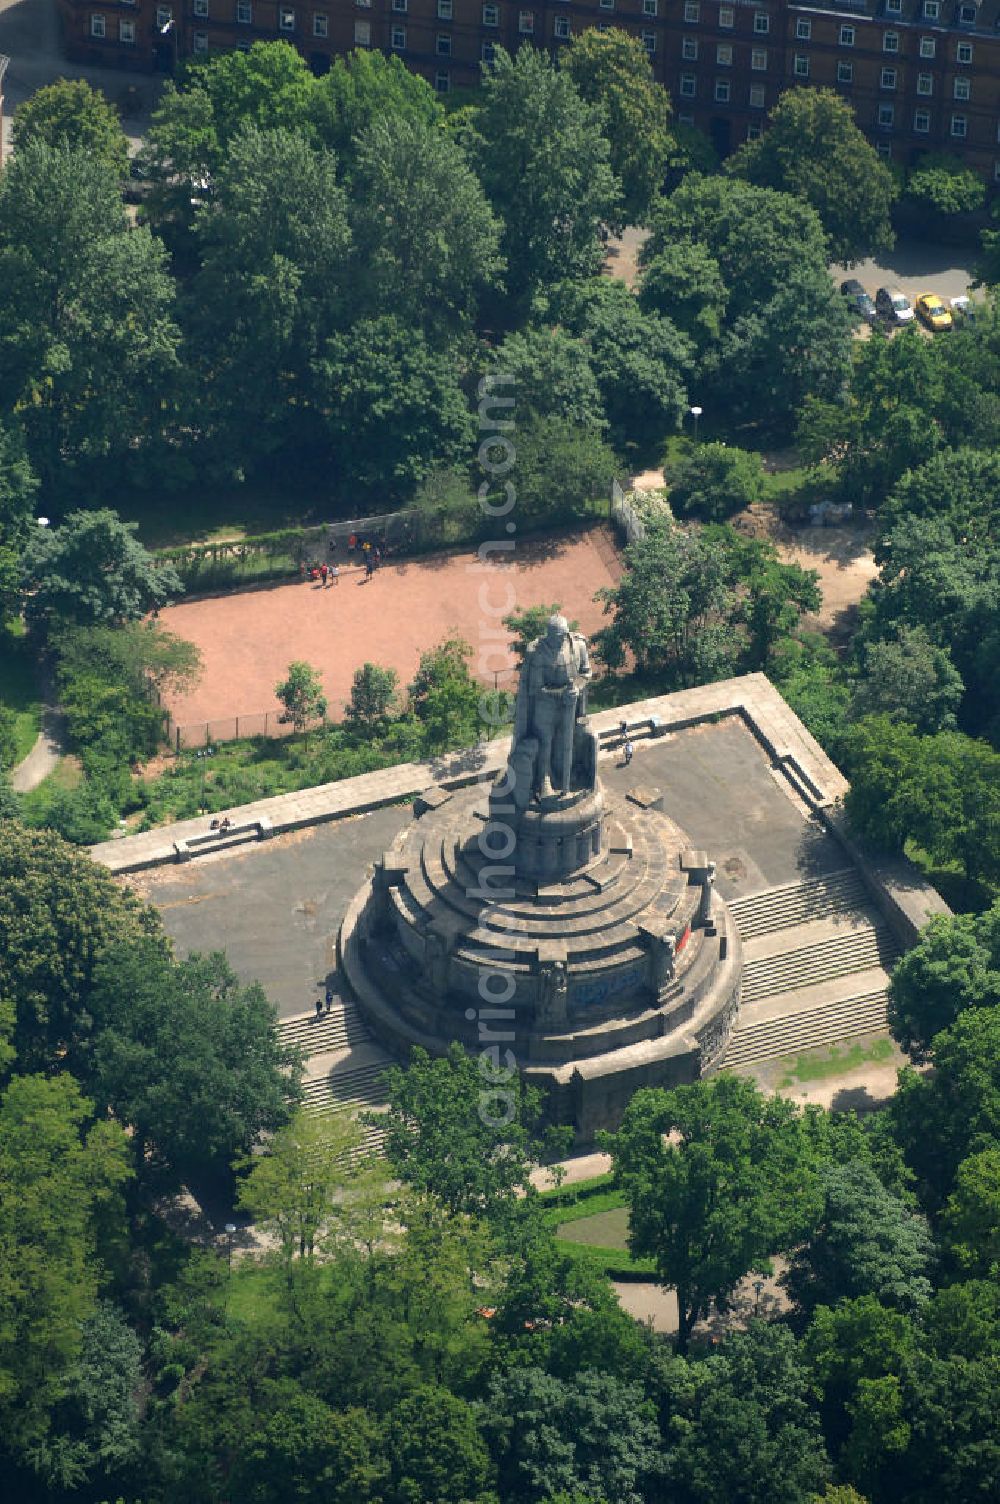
(922, 75)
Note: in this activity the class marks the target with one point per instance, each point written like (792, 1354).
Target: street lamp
(171, 28)
(230, 1230)
(203, 752)
(758, 1285)
(696, 414)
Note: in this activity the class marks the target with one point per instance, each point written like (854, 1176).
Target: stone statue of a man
(551, 701)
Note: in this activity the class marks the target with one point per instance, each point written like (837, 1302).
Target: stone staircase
(816, 968)
(797, 903)
(343, 1064)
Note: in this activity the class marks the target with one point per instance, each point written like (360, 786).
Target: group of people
(328, 573)
(325, 574)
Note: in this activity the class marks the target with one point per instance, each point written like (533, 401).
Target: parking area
(914, 267)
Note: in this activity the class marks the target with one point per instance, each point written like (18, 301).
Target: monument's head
(557, 630)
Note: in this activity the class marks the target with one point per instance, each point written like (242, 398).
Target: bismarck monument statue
(576, 929)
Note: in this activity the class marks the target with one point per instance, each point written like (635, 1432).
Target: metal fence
(625, 517)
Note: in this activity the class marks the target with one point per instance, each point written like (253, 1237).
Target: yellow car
(932, 310)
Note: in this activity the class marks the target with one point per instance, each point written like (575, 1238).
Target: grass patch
(580, 1190)
(604, 1229)
(38, 801)
(818, 1065)
(18, 687)
(220, 513)
(598, 1203)
(613, 1263)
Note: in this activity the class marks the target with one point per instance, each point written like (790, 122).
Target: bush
(714, 481)
(941, 183)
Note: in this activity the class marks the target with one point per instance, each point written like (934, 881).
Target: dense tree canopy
(71, 113)
(92, 570)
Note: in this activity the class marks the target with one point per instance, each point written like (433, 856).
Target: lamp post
(201, 754)
(170, 28)
(758, 1285)
(230, 1230)
(696, 414)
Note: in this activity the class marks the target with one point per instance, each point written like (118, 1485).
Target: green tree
(551, 376)
(301, 695)
(545, 166)
(373, 696)
(908, 678)
(773, 596)
(971, 1219)
(460, 1129)
(60, 1178)
(613, 72)
(444, 696)
(295, 1449)
(943, 185)
(435, 1451)
(394, 409)
(88, 345)
(891, 773)
(71, 113)
(293, 1191)
(683, 283)
(189, 1059)
(561, 469)
(954, 965)
(670, 609)
(717, 1178)
(744, 1425)
(714, 481)
(639, 360)
(813, 149)
(274, 243)
(18, 487)
(60, 914)
(857, 1341)
(364, 88)
(91, 570)
(866, 1242)
(426, 240)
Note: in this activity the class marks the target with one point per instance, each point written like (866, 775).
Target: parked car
(932, 311)
(859, 299)
(963, 310)
(892, 306)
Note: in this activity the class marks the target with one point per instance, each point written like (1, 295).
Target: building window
(563, 30)
(845, 73)
(286, 18)
(201, 7)
(925, 83)
(691, 10)
(362, 33)
(491, 15)
(443, 44)
(761, 23)
(758, 59)
(847, 36)
(442, 82)
(400, 6)
(888, 79)
(444, 10)
(526, 22)
(932, 9)
(689, 48)
(164, 16)
(398, 38)
(921, 122)
(754, 131)
(201, 41)
(884, 150)
(756, 96)
(801, 65)
(963, 52)
(962, 88)
(244, 12)
(688, 84)
(967, 15)
(649, 7)
(649, 41)
(959, 126)
(724, 55)
(722, 91)
(803, 29)
(607, 4)
(890, 41)
(727, 17)
(488, 52)
(893, 7)
(886, 116)
(126, 33)
(321, 25)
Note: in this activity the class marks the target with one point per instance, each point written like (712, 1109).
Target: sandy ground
(247, 640)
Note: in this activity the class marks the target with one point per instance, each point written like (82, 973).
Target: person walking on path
(335, 573)
(319, 1007)
(628, 753)
(329, 999)
(324, 570)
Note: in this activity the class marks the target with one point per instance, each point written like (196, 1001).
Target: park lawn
(66, 775)
(219, 513)
(834, 1060)
(19, 687)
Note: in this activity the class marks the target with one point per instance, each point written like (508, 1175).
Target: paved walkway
(50, 746)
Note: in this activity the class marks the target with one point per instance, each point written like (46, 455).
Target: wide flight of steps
(343, 1064)
(816, 968)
